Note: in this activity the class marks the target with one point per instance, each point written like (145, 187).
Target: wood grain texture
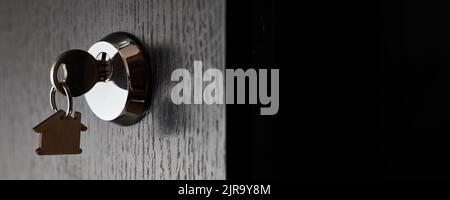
(171, 142)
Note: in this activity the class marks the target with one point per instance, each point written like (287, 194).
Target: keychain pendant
(60, 134)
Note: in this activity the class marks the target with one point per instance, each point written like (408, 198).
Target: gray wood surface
(172, 142)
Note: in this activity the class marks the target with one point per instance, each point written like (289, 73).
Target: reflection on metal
(123, 96)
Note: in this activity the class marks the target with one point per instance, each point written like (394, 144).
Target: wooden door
(171, 142)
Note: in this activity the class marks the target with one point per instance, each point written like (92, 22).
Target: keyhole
(106, 68)
(103, 56)
(61, 74)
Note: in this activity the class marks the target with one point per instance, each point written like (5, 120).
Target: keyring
(69, 99)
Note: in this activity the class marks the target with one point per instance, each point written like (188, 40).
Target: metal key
(81, 71)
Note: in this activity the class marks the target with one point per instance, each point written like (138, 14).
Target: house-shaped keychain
(60, 134)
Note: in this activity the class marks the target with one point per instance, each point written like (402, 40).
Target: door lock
(113, 75)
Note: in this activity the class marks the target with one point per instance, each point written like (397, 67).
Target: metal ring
(54, 74)
(69, 99)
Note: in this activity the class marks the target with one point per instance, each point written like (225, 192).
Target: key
(60, 134)
(81, 71)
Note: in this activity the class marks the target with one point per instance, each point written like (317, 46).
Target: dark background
(413, 87)
(251, 43)
(364, 90)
